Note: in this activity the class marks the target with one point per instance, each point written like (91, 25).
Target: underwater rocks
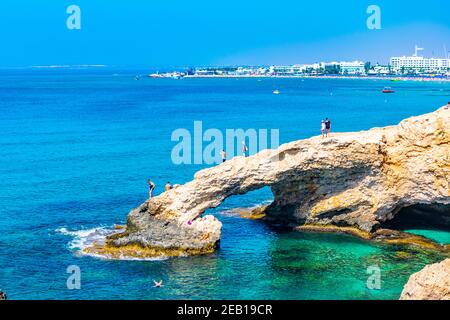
(431, 283)
(358, 180)
(385, 236)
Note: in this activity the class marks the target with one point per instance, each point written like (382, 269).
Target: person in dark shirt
(2, 295)
(328, 126)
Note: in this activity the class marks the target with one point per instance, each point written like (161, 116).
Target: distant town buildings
(378, 70)
(346, 68)
(356, 67)
(414, 65)
(419, 65)
(287, 70)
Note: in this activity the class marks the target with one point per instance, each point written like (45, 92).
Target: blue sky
(168, 33)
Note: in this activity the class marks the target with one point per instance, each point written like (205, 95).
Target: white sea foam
(86, 238)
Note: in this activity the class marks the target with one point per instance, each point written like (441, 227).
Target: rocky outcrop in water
(356, 180)
(431, 283)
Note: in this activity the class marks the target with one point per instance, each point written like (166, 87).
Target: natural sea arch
(355, 180)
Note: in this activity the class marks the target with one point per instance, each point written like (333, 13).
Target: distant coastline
(411, 68)
(391, 78)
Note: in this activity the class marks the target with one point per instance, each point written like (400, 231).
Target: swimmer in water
(157, 284)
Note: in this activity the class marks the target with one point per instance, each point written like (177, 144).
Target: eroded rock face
(431, 283)
(358, 179)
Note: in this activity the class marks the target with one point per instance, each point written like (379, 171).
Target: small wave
(65, 66)
(51, 66)
(87, 238)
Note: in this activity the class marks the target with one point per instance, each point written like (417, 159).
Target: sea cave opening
(421, 217)
(257, 198)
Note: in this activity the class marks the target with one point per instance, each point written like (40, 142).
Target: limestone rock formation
(352, 180)
(431, 283)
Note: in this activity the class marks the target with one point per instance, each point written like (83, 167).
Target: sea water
(77, 147)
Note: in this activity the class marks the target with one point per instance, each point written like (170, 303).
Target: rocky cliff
(431, 283)
(357, 181)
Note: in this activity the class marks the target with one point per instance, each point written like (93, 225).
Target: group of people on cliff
(325, 129)
(244, 149)
(151, 186)
(168, 185)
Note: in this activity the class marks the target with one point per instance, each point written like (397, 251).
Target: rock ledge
(431, 283)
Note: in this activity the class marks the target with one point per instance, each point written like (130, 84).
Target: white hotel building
(352, 67)
(420, 64)
(296, 69)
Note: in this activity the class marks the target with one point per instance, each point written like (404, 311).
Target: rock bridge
(356, 180)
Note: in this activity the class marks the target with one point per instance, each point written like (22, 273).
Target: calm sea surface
(76, 150)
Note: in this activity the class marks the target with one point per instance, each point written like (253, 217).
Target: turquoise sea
(78, 145)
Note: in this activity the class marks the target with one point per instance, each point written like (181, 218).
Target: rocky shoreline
(165, 238)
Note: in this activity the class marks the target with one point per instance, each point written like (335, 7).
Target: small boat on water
(388, 90)
(276, 91)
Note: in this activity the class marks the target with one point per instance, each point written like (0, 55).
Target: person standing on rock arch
(151, 187)
(244, 149)
(328, 127)
(322, 128)
(223, 155)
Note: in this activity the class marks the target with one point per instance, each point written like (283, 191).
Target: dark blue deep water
(76, 148)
